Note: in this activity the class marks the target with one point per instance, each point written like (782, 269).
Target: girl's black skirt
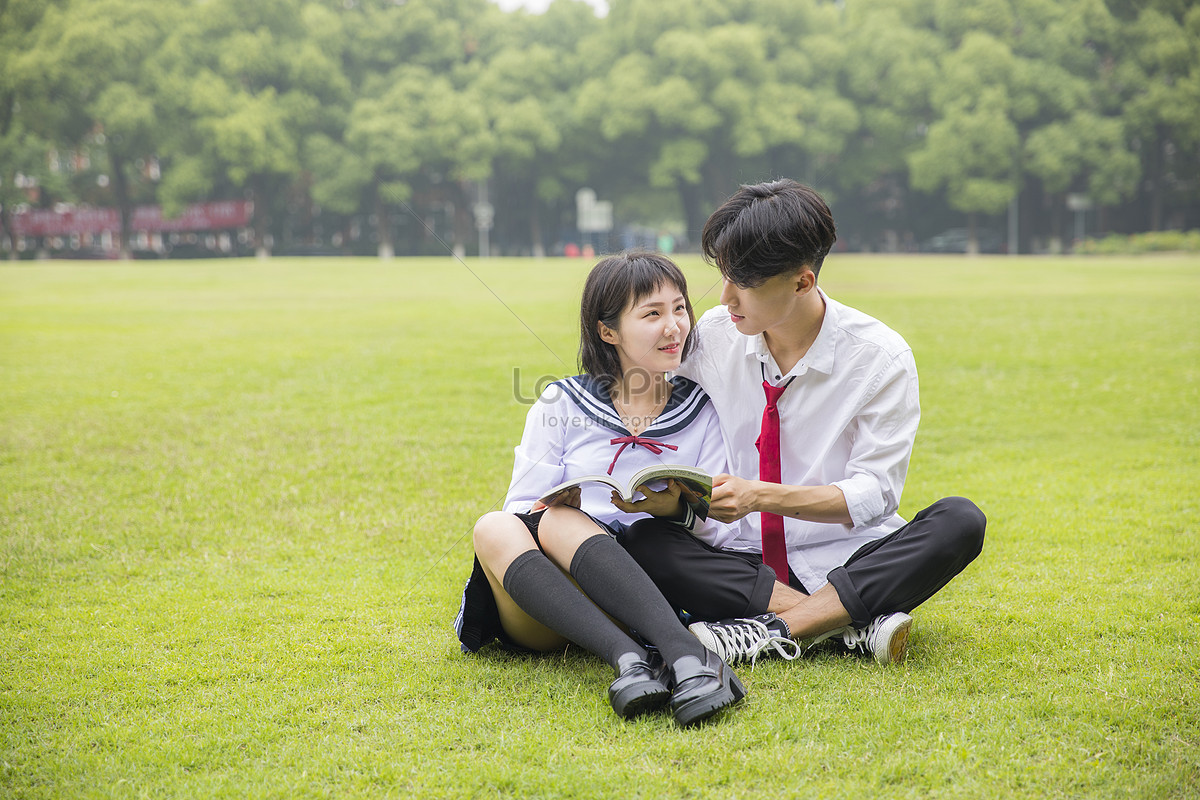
(478, 620)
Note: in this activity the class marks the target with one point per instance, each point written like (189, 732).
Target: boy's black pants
(897, 572)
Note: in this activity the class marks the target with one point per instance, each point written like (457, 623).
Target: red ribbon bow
(626, 441)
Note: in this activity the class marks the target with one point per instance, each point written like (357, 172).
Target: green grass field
(235, 504)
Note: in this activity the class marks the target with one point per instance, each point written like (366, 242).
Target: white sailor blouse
(573, 431)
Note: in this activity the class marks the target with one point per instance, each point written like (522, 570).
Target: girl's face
(651, 331)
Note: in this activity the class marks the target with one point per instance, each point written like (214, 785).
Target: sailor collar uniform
(573, 431)
(593, 400)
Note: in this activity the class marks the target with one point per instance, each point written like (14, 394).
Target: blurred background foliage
(378, 126)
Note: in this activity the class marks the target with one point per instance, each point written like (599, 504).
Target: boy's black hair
(613, 285)
(769, 229)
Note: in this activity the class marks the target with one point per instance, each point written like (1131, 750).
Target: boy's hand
(732, 498)
(660, 504)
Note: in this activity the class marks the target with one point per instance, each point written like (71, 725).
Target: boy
(819, 402)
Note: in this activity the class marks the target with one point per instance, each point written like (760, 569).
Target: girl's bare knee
(494, 532)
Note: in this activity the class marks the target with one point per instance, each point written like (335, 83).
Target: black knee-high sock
(617, 584)
(546, 594)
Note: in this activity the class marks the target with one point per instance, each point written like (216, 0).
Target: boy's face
(758, 309)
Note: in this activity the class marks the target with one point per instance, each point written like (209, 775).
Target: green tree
(971, 147)
(890, 67)
(373, 106)
(1014, 101)
(703, 96)
(1074, 142)
(805, 113)
(412, 120)
(23, 164)
(94, 52)
(23, 173)
(527, 84)
(681, 76)
(1154, 74)
(525, 114)
(243, 85)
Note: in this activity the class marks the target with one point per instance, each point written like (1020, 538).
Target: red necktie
(774, 546)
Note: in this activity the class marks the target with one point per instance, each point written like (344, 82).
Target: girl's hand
(660, 504)
(571, 497)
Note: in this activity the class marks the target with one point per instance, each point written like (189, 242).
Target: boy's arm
(882, 434)
(734, 498)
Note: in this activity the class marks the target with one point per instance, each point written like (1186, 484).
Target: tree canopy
(386, 126)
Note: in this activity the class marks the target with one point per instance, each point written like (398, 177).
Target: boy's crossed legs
(744, 611)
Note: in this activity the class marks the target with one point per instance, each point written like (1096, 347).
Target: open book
(695, 483)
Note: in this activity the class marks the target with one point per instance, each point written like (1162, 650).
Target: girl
(622, 414)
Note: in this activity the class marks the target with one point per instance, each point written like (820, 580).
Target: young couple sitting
(803, 409)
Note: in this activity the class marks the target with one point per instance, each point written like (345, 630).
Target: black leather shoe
(641, 685)
(703, 688)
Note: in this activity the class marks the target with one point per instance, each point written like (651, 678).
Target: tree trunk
(6, 232)
(383, 225)
(1057, 203)
(462, 220)
(717, 182)
(258, 196)
(535, 225)
(1014, 207)
(124, 205)
(693, 215)
(972, 235)
(8, 109)
(1156, 185)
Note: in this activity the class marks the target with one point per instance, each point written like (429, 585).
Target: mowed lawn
(235, 511)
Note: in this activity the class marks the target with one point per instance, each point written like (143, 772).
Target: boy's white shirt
(848, 419)
(568, 434)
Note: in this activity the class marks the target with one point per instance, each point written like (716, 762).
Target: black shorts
(896, 572)
(478, 620)
(722, 583)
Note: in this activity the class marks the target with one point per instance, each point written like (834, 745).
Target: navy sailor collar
(591, 395)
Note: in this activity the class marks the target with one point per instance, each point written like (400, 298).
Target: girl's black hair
(614, 284)
(769, 229)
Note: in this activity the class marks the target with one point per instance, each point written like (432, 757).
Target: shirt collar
(819, 356)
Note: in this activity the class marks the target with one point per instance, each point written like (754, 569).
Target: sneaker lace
(750, 638)
(859, 638)
(784, 647)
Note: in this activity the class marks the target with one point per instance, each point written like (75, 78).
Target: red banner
(198, 217)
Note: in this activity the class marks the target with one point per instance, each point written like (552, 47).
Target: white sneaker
(737, 640)
(885, 638)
